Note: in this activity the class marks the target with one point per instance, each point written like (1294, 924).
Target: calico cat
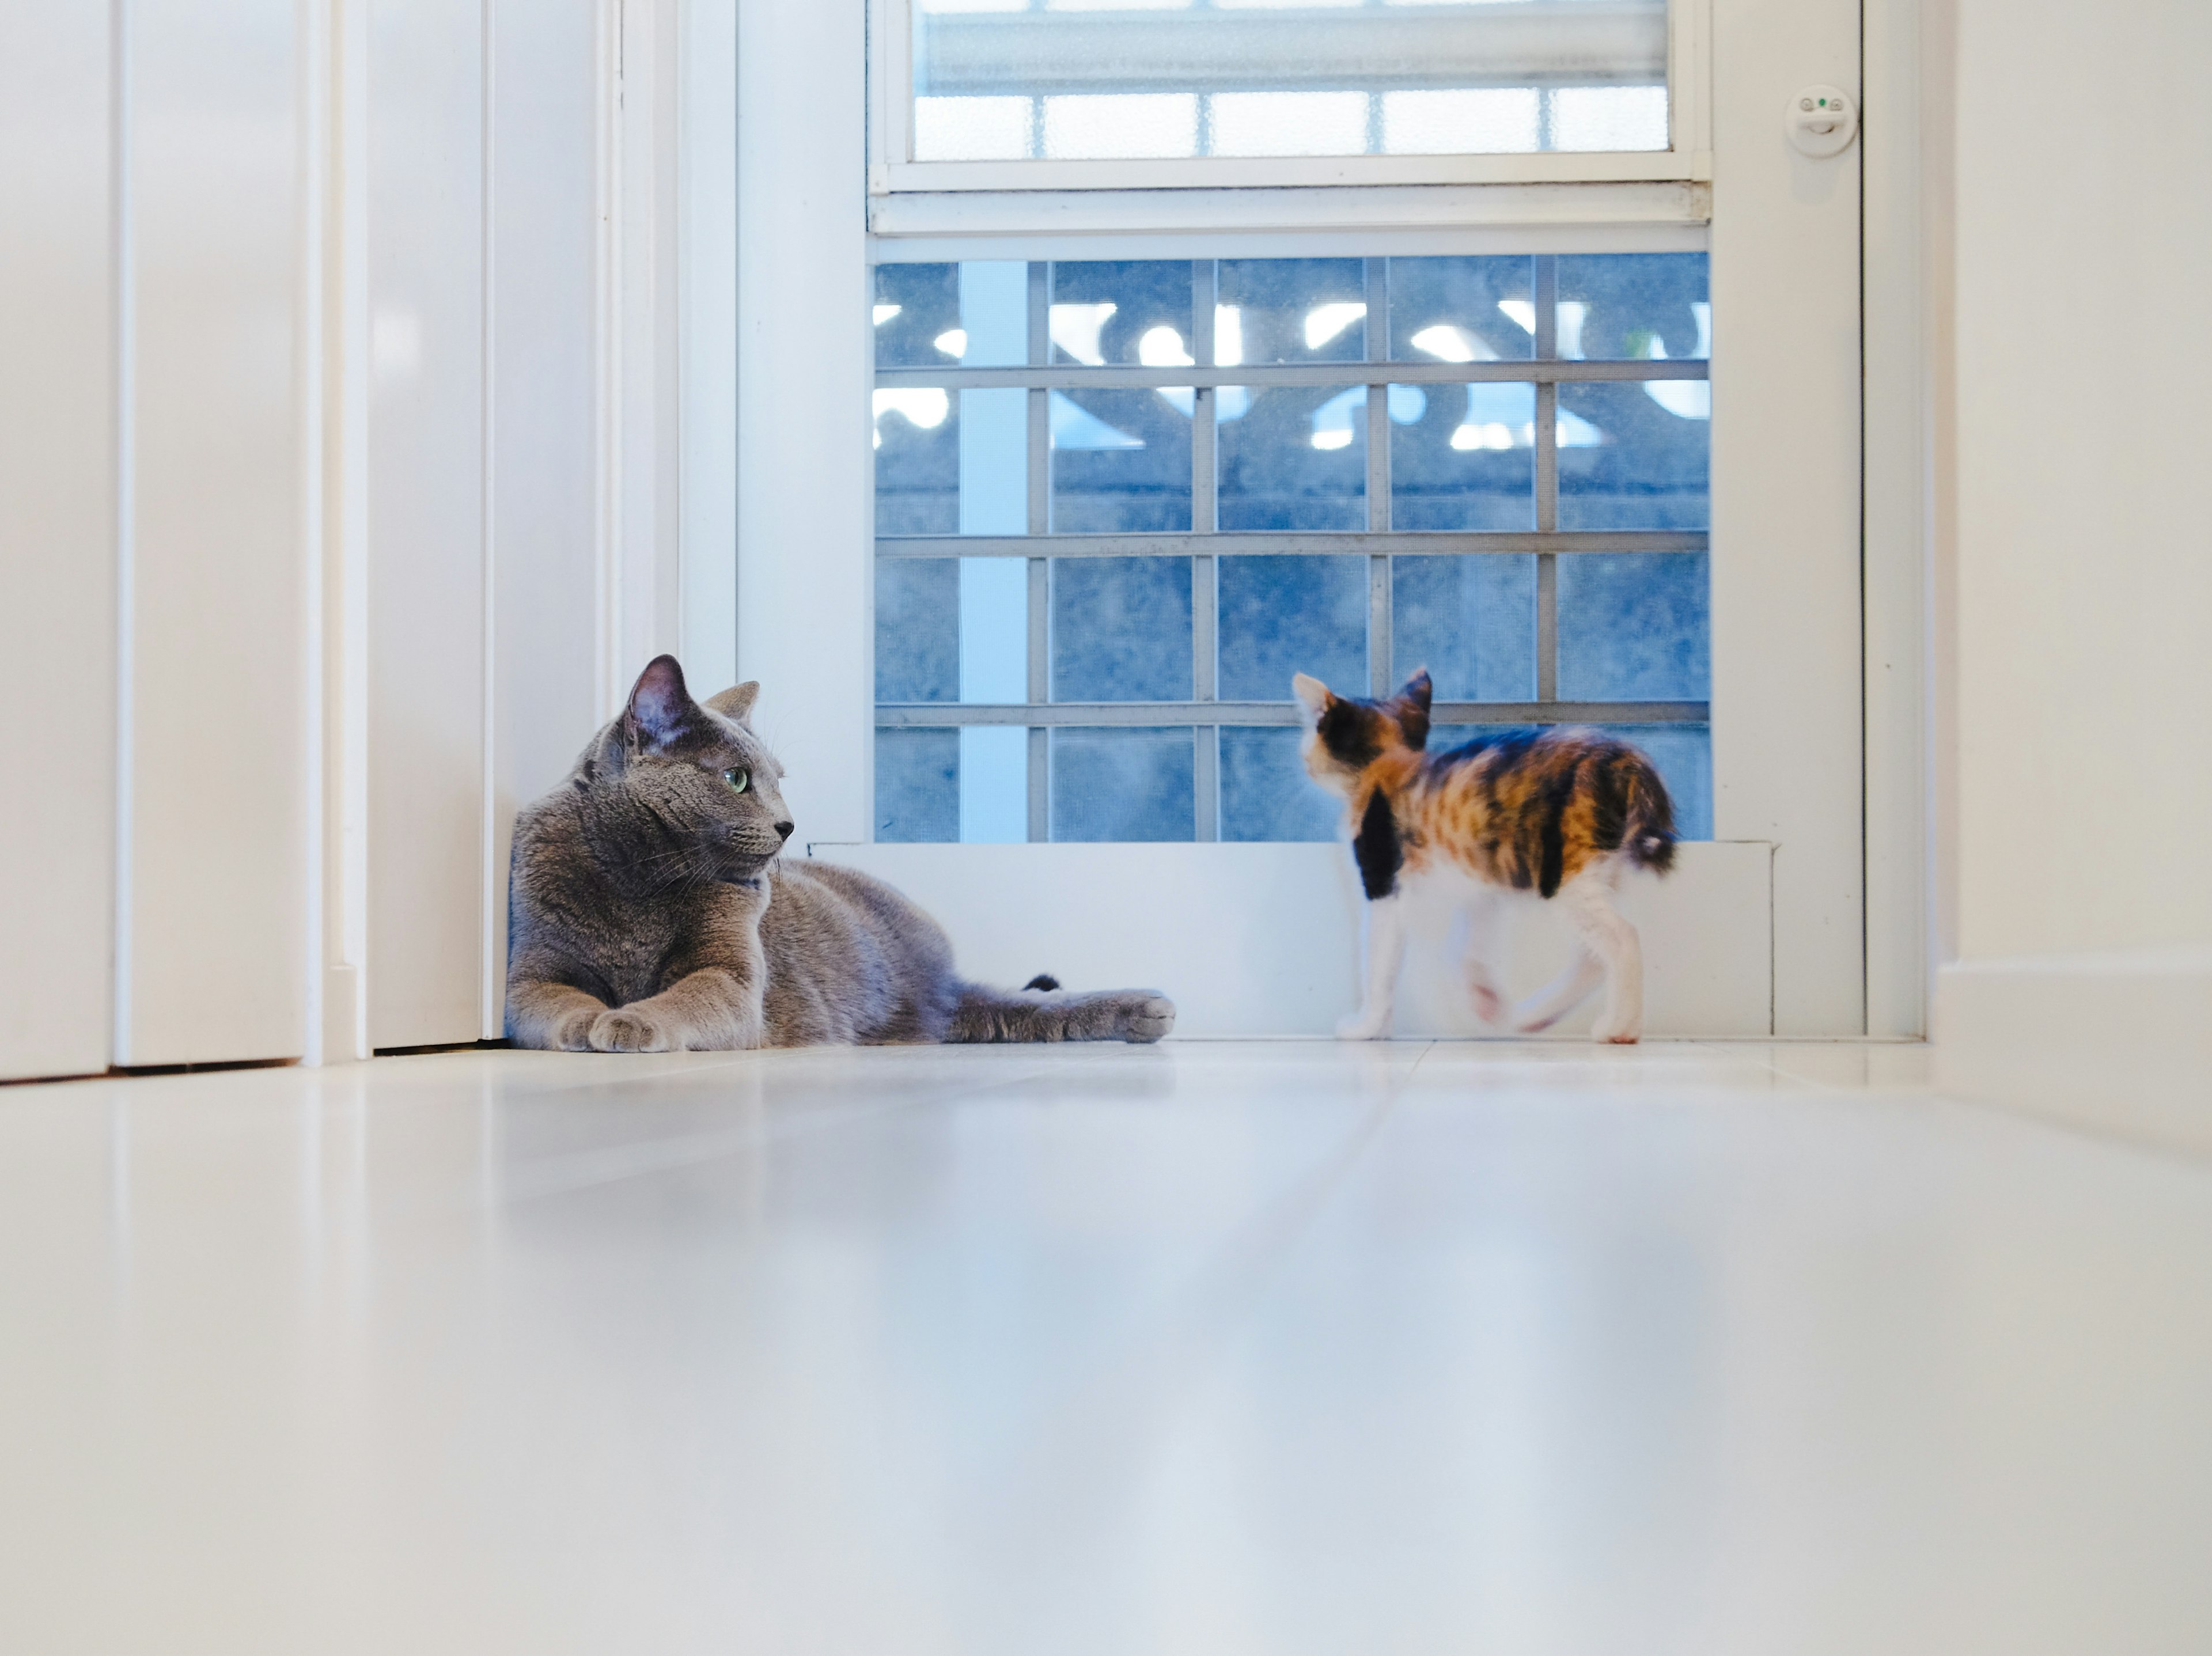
(650, 911)
(1562, 813)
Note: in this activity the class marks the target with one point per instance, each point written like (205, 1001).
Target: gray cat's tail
(1042, 1012)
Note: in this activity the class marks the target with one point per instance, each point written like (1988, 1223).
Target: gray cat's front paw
(626, 1029)
(1146, 1015)
(573, 1032)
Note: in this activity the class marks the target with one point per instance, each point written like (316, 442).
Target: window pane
(1463, 456)
(1607, 118)
(1103, 79)
(1120, 461)
(1133, 784)
(917, 461)
(1121, 630)
(975, 128)
(1126, 312)
(1292, 457)
(1290, 310)
(1462, 309)
(917, 305)
(918, 786)
(918, 629)
(1488, 121)
(1471, 620)
(1636, 306)
(1266, 793)
(1634, 626)
(1634, 456)
(1281, 617)
(1146, 126)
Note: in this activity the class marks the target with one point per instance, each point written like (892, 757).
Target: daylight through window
(1118, 504)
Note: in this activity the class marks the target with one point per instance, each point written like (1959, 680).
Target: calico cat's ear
(1313, 695)
(660, 709)
(1413, 708)
(737, 702)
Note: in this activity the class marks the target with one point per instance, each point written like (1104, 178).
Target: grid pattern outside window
(1118, 504)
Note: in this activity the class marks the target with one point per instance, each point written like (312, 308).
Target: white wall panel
(544, 449)
(425, 523)
(214, 812)
(1264, 939)
(805, 592)
(707, 361)
(1786, 503)
(2084, 556)
(57, 539)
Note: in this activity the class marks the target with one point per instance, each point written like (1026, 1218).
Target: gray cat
(649, 912)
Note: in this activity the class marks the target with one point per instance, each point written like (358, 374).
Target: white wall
(57, 541)
(429, 434)
(2082, 559)
(316, 558)
(804, 536)
(524, 545)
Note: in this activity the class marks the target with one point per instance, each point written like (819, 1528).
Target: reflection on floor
(1204, 1347)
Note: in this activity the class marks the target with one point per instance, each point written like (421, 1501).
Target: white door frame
(1831, 780)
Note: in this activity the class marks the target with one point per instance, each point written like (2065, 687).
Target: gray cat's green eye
(740, 779)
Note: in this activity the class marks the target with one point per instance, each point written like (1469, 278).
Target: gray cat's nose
(784, 828)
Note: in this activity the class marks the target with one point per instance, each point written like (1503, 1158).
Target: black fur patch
(1609, 800)
(1552, 839)
(1043, 980)
(1377, 850)
(1347, 730)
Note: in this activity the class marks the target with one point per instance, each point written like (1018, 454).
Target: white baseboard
(2122, 1043)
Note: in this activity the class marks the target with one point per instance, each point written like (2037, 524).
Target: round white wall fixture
(1821, 121)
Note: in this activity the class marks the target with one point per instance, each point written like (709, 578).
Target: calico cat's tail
(1042, 1012)
(1648, 838)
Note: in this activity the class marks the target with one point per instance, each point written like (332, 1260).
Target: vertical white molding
(1895, 439)
(491, 881)
(126, 527)
(607, 399)
(806, 570)
(1789, 739)
(58, 173)
(315, 70)
(707, 361)
(345, 553)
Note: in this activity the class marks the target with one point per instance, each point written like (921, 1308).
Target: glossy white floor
(1201, 1349)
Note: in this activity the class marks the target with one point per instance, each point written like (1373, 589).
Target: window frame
(893, 171)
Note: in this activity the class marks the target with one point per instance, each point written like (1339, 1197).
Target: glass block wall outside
(1118, 505)
(1110, 80)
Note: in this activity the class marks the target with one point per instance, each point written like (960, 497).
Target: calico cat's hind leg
(1486, 920)
(1611, 943)
(987, 1015)
(1565, 992)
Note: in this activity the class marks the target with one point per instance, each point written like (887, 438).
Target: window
(1120, 503)
(1012, 80)
(1058, 94)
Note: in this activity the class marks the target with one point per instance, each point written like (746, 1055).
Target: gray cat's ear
(660, 709)
(737, 702)
(1313, 695)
